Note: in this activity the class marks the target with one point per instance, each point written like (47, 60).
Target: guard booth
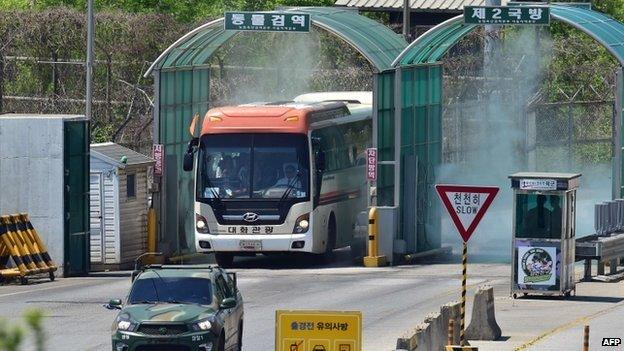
(543, 233)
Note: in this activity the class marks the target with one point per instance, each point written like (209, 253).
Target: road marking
(567, 326)
(42, 289)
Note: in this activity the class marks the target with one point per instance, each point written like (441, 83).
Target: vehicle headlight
(202, 325)
(123, 324)
(302, 224)
(201, 224)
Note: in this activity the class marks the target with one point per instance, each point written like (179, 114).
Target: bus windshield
(253, 166)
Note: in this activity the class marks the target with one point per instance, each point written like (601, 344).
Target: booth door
(96, 211)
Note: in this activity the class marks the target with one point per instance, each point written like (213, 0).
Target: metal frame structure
(407, 120)
(425, 53)
(181, 80)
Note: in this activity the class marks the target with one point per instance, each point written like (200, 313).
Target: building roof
(415, 5)
(545, 175)
(112, 153)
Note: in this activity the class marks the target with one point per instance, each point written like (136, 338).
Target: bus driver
(290, 172)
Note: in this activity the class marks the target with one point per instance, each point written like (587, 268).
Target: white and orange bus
(281, 177)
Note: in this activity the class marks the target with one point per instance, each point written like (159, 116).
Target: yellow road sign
(318, 331)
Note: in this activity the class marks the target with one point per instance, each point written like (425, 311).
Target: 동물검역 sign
(466, 204)
(267, 21)
(536, 15)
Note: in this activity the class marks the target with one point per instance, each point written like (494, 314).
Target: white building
(118, 206)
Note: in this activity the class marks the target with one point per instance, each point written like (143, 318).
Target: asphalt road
(392, 300)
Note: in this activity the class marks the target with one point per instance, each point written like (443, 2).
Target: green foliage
(34, 320)
(12, 335)
(614, 8)
(187, 11)
(102, 133)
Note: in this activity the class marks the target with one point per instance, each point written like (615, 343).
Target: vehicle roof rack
(172, 266)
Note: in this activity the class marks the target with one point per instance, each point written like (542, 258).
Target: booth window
(131, 186)
(538, 216)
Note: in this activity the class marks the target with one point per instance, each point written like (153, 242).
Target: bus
(281, 177)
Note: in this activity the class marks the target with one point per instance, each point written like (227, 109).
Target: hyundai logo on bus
(250, 217)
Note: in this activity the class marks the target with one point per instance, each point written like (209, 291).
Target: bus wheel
(331, 238)
(224, 259)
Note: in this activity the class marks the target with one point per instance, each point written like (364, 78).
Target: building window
(131, 186)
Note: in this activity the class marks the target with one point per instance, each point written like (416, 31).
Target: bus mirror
(187, 165)
(188, 162)
(320, 161)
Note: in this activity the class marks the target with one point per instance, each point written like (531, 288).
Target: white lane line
(42, 289)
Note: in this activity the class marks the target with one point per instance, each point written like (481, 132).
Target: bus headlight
(302, 224)
(201, 224)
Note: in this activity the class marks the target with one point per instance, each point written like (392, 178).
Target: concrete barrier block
(483, 324)
(451, 310)
(423, 338)
(418, 340)
(432, 335)
(438, 331)
(407, 342)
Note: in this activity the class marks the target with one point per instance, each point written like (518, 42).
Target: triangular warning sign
(466, 204)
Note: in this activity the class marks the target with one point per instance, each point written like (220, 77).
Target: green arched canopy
(409, 115)
(376, 42)
(182, 80)
(432, 45)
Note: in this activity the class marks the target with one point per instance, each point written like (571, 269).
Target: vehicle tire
(239, 345)
(52, 277)
(331, 239)
(24, 280)
(224, 259)
(221, 343)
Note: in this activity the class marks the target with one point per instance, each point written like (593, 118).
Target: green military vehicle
(175, 308)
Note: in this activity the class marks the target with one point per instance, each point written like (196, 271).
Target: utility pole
(406, 21)
(89, 66)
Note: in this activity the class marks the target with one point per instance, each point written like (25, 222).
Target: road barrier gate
(22, 252)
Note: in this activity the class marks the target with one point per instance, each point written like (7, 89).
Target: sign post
(466, 204)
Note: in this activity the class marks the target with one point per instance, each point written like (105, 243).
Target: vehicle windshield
(171, 290)
(258, 166)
